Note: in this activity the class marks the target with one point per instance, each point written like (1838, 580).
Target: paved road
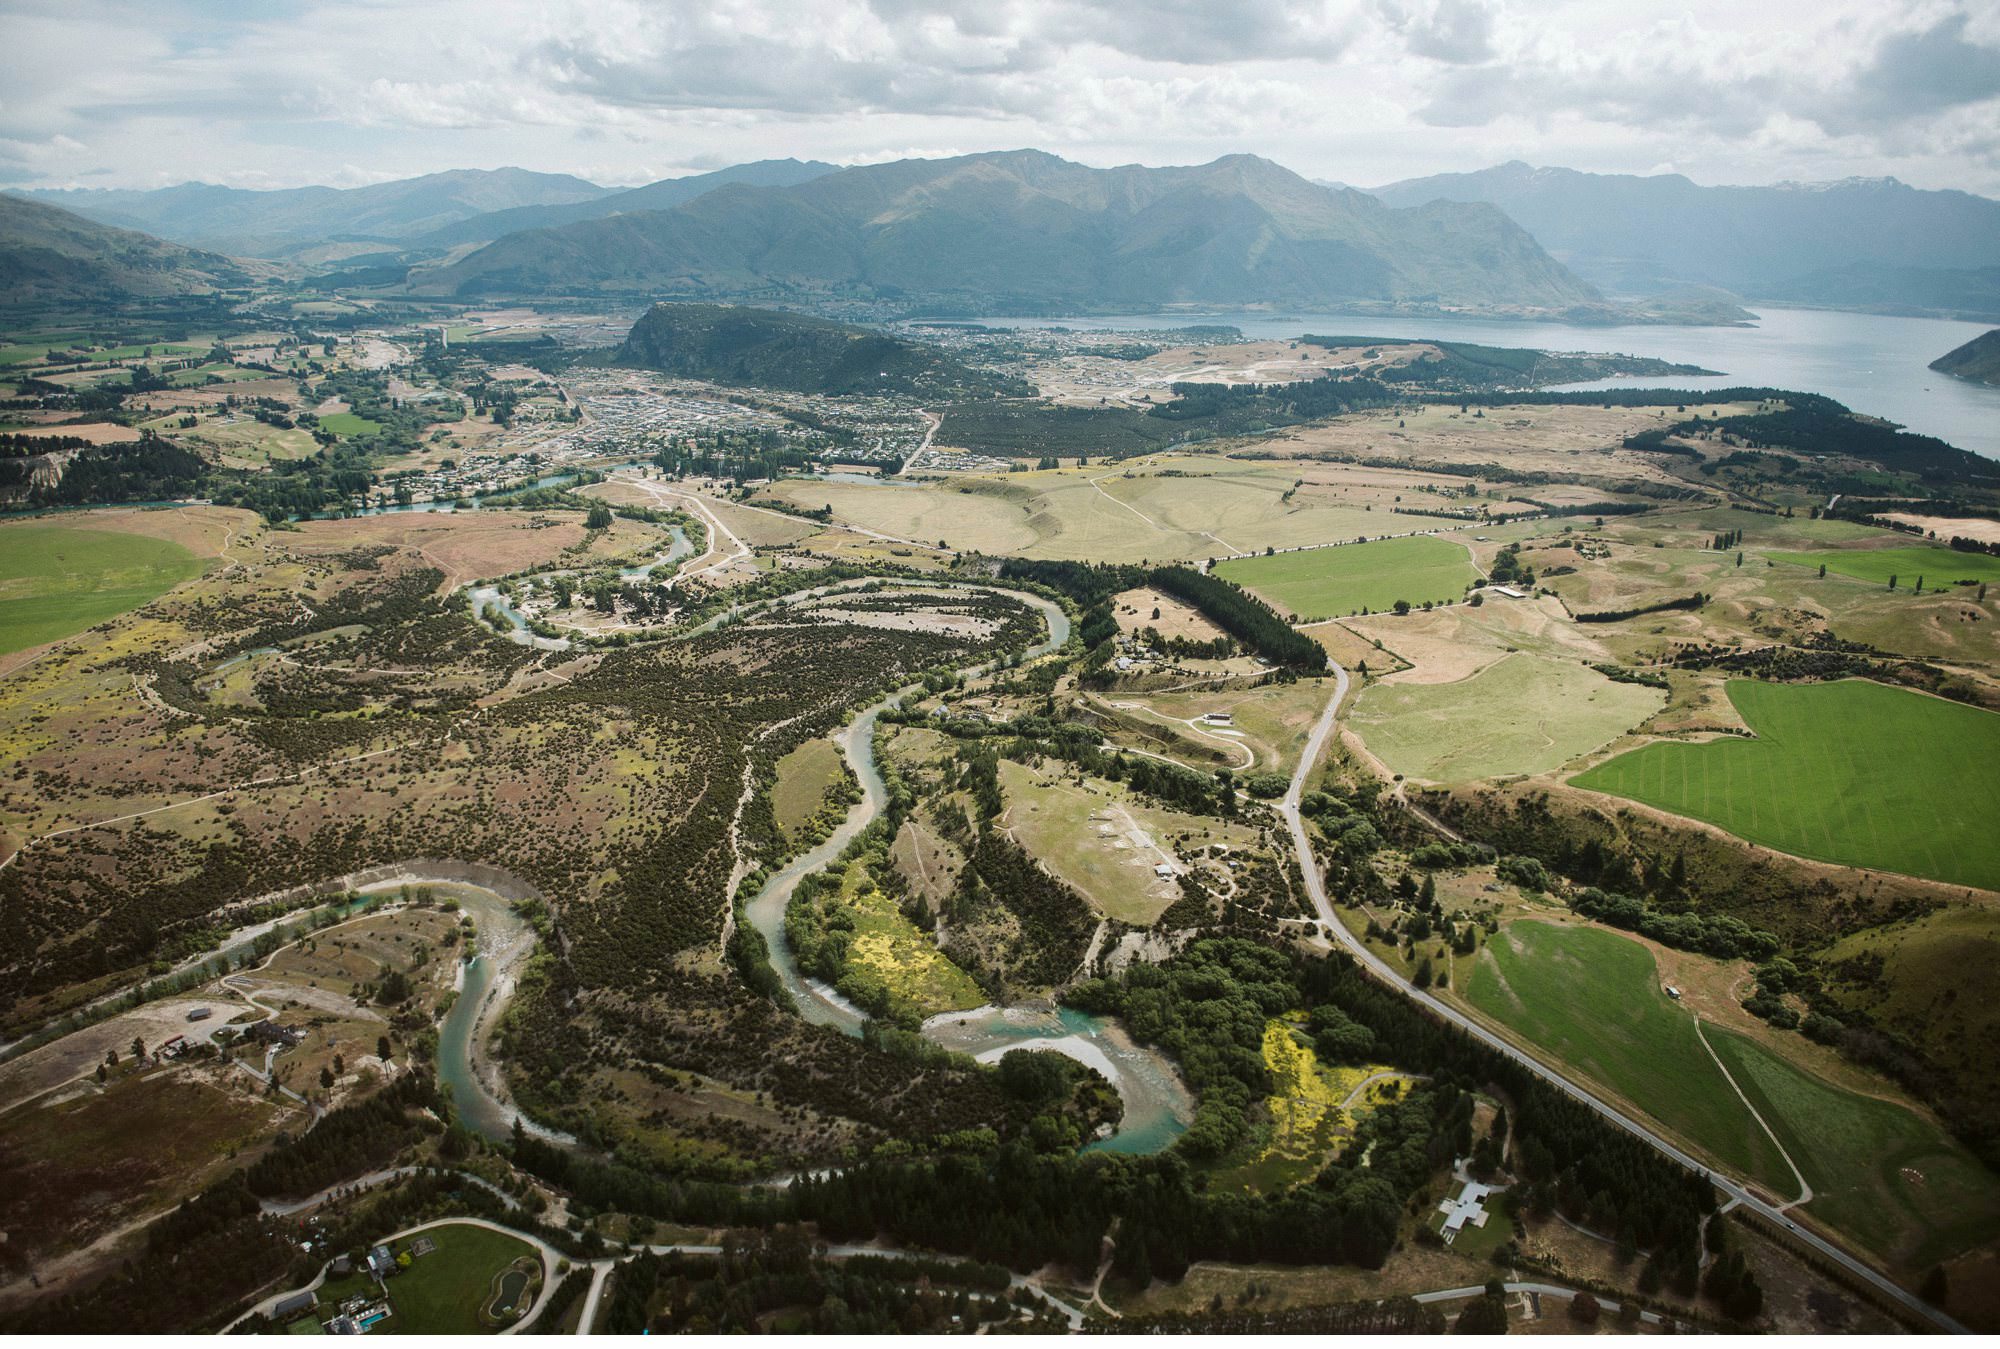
(1539, 1289)
(932, 421)
(1331, 926)
(600, 1269)
(369, 1181)
(599, 1272)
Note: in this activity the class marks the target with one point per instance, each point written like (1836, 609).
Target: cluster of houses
(358, 1313)
(354, 1316)
(935, 460)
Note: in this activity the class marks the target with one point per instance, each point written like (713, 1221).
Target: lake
(1872, 363)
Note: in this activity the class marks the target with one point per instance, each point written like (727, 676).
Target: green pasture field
(26, 353)
(1758, 529)
(1592, 999)
(1881, 1173)
(1522, 714)
(202, 374)
(440, 1293)
(1852, 772)
(1334, 582)
(1939, 567)
(349, 424)
(136, 351)
(55, 580)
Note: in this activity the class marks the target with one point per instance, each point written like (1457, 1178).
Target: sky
(148, 93)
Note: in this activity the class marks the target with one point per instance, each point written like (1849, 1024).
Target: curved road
(548, 1255)
(1331, 927)
(280, 1209)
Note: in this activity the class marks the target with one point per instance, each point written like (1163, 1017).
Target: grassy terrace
(56, 580)
(1852, 772)
(804, 776)
(1333, 582)
(1939, 567)
(1881, 1173)
(1893, 1179)
(1592, 999)
(1522, 714)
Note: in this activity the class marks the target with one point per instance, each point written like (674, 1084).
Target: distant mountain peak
(1027, 230)
(1853, 184)
(1800, 243)
(276, 222)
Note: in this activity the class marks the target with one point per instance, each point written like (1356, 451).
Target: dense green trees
(348, 1141)
(1087, 583)
(1206, 1008)
(153, 469)
(1718, 934)
(760, 1272)
(1055, 922)
(1694, 601)
(1243, 616)
(1017, 429)
(1820, 426)
(198, 1260)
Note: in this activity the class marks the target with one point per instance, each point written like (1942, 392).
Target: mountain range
(277, 224)
(1029, 232)
(425, 216)
(54, 256)
(1862, 243)
(661, 196)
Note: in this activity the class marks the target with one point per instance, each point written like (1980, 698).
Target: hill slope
(1978, 360)
(1640, 234)
(1947, 292)
(777, 350)
(1030, 232)
(661, 196)
(272, 224)
(50, 256)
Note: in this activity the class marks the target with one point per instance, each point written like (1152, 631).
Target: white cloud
(1359, 90)
(1457, 31)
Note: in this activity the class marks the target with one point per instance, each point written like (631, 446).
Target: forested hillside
(773, 349)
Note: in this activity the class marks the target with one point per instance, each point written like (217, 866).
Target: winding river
(502, 940)
(1158, 1107)
(485, 982)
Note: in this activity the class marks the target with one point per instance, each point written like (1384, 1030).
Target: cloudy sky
(146, 93)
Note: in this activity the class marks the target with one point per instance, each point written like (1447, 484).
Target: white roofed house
(1468, 1209)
